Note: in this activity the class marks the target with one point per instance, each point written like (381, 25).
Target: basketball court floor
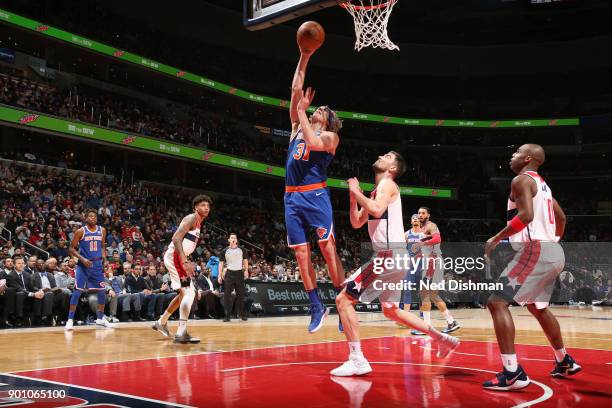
(274, 362)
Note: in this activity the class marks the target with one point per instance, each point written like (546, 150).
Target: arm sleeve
(435, 239)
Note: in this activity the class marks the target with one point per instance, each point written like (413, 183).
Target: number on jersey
(93, 246)
(302, 151)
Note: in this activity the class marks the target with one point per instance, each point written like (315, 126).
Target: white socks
(185, 309)
(182, 327)
(355, 349)
(560, 354)
(164, 318)
(509, 362)
(435, 334)
(448, 316)
(427, 318)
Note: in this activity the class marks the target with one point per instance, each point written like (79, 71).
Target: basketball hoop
(371, 18)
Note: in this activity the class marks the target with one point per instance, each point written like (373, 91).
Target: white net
(371, 18)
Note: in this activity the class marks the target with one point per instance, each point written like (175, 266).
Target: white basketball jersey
(190, 240)
(389, 228)
(543, 226)
(431, 250)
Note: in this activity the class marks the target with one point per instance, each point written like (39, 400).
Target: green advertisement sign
(95, 133)
(123, 55)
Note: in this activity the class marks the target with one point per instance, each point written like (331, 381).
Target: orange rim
(378, 6)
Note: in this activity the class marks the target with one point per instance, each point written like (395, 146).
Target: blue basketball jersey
(90, 245)
(305, 167)
(411, 238)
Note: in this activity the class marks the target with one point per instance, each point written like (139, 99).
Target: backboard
(260, 14)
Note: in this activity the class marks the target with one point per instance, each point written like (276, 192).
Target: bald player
(536, 222)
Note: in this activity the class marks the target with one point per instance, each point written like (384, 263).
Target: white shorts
(175, 269)
(530, 276)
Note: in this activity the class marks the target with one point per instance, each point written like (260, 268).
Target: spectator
(135, 284)
(21, 281)
(208, 297)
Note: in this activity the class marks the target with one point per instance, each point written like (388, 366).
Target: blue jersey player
(88, 246)
(308, 207)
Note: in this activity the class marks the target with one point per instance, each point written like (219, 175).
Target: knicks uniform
(307, 200)
(173, 262)
(530, 276)
(90, 247)
(413, 274)
(388, 241)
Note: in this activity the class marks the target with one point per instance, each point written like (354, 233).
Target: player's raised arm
(74, 248)
(559, 219)
(179, 235)
(375, 207)
(297, 85)
(358, 216)
(326, 141)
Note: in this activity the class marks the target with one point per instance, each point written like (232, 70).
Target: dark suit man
(25, 294)
(208, 296)
(7, 300)
(55, 301)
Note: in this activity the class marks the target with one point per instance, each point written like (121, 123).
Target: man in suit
(208, 296)
(161, 289)
(55, 301)
(135, 284)
(21, 280)
(7, 300)
(117, 295)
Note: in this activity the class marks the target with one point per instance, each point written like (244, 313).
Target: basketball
(310, 36)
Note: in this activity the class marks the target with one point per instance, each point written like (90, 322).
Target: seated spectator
(136, 284)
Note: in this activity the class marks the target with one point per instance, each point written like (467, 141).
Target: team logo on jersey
(321, 232)
(180, 74)
(28, 119)
(118, 53)
(42, 28)
(128, 140)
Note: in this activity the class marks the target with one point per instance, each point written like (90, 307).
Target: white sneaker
(69, 325)
(447, 344)
(104, 323)
(354, 366)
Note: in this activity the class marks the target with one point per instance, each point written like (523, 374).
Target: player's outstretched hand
(305, 99)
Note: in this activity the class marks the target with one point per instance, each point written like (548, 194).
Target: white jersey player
(535, 224)
(181, 269)
(383, 213)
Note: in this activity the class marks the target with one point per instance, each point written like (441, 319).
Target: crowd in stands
(199, 127)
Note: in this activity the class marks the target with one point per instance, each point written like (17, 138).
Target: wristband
(516, 224)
